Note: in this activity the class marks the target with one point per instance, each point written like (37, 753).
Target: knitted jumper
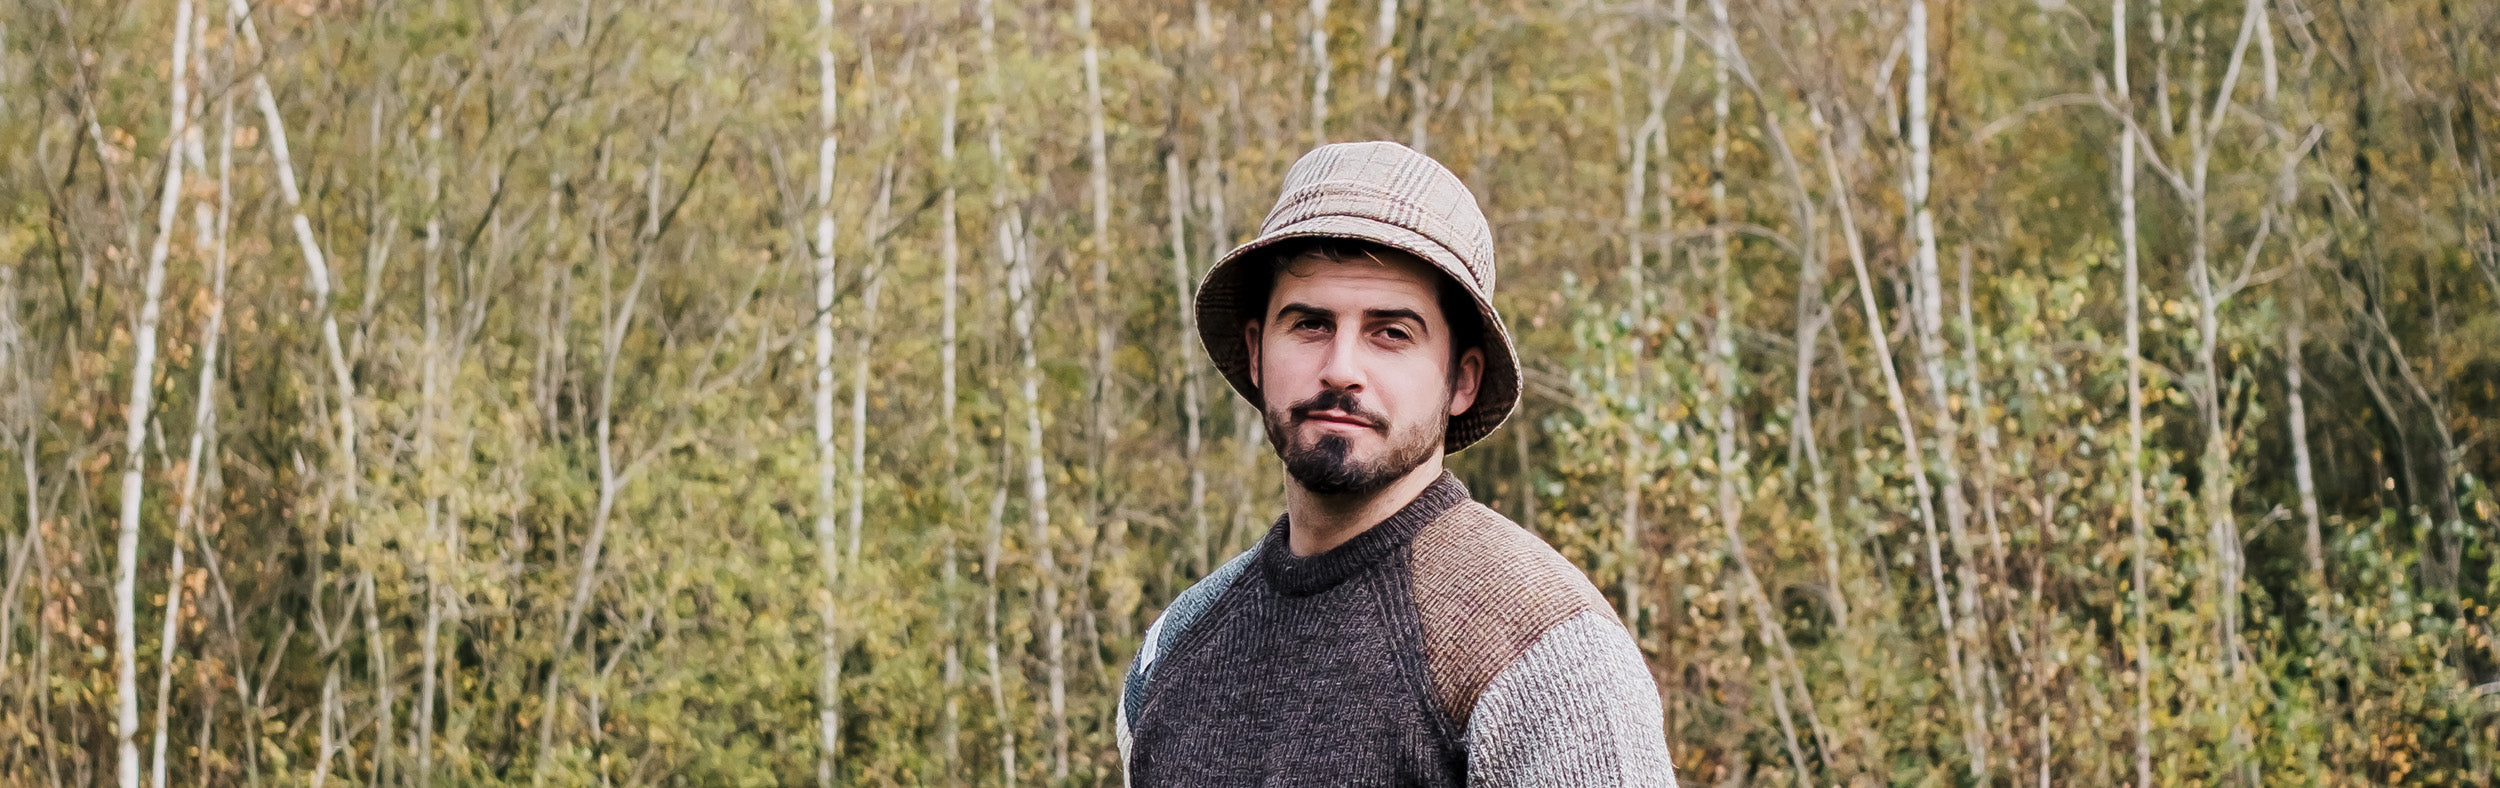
(1445, 646)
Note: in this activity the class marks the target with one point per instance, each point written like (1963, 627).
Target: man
(1389, 630)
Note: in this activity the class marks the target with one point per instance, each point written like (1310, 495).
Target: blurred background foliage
(556, 466)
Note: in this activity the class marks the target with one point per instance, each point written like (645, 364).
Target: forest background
(717, 393)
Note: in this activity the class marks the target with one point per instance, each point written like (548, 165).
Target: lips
(1340, 419)
(1338, 407)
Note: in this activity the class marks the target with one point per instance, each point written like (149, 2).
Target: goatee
(1328, 467)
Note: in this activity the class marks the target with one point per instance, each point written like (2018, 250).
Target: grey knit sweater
(1445, 646)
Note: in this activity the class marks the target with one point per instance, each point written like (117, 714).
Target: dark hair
(1458, 307)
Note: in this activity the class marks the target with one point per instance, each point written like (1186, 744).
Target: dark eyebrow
(1409, 314)
(1307, 309)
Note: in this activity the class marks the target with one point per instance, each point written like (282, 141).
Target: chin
(1348, 441)
(1329, 466)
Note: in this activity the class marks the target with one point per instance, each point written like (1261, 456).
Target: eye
(1397, 334)
(1310, 324)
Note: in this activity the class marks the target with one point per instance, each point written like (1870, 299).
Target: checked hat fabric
(1382, 193)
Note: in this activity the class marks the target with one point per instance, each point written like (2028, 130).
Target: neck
(1318, 523)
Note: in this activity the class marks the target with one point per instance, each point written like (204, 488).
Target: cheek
(1289, 362)
(1422, 388)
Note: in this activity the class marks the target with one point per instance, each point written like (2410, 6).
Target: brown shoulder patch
(1485, 590)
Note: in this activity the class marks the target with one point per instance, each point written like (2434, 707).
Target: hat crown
(1394, 184)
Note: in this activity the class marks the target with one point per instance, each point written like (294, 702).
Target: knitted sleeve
(1578, 708)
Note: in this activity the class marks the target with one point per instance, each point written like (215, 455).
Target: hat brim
(1221, 316)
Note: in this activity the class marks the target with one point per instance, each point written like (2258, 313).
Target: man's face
(1353, 360)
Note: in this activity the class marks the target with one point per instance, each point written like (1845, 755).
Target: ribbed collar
(1292, 576)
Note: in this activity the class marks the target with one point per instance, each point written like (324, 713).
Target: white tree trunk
(1898, 401)
(1419, 90)
(21, 437)
(203, 424)
(1021, 292)
(1176, 205)
(828, 548)
(142, 399)
(616, 320)
(1728, 476)
(203, 421)
(863, 343)
(992, 552)
(1975, 402)
(438, 552)
(1009, 233)
(317, 276)
(2132, 293)
(2314, 547)
(1384, 33)
(1319, 72)
(328, 738)
(2294, 374)
(1810, 319)
(2222, 531)
(316, 264)
(1929, 322)
(1661, 87)
(1723, 367)
(22, 405)
(950, 253)
(1632, 466)
(1106, 329)
(222, 230)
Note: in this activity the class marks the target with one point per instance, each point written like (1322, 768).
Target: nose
(1340, 369)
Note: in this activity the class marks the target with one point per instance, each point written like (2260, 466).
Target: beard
(1327, 466)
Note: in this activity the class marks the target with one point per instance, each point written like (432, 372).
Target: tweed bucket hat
(1382, 193)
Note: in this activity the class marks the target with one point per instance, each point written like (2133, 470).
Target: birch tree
(316, 263)
(2131, 294)
(23, 396)
(1021, 296)
(828, 549)
(1811, 317)
(2222, 525)
(437, 548)
(1176, 207)
(2313, 547)
(616, 319)
(342, 381)
(203, 423)
(1634, 462)
(950, 254)
(1011, 248)
(139, 410)
(1898, 402)
(1729, 478)
(1418, 88)
(1928, 289)
(1320, 68)
(1384, 34)
(1106, 331)
(1212, 179)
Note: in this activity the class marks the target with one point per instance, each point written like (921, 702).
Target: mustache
(1339, 400)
